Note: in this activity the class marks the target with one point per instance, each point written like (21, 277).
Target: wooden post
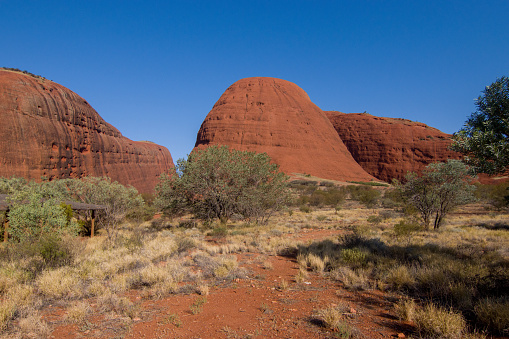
(93, 224)
(6, 227)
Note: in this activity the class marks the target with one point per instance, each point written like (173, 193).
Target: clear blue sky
(154, 69)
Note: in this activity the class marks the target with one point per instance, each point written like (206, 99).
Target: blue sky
(154, 69)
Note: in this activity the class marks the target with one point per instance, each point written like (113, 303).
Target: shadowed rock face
(277, 117)
(48, 130)
(388, 148)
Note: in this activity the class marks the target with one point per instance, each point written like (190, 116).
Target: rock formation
(48, 130)
(277, 117)
(388, 148)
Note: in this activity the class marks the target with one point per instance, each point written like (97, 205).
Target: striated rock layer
(388, 148)
(48, 130)
(277, 117)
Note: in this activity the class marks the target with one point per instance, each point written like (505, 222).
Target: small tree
(441, 187)
(218, 182)
(484, 140)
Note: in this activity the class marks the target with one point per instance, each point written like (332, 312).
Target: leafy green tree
(441, 188)
(219, 182)
(484, 140)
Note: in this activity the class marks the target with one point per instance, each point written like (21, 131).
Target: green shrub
(305, 209)
(218, 182)
(36, 210)
(406, 227)
(354, 256)
(365, 195)
(375, 219)
(495, 195)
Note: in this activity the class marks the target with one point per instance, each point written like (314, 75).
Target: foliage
(12, 184)
(436, 322)
(119, 200)
(218, 182)
(370, 183)
(495, 195)
(364, 194)
(484, 140)
(36, 211)
(441, 187)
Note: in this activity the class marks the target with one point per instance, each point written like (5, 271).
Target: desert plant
(436, 322)
(197, 305)
(442, 187)
(493, 314)
(36, 211)
(484, 138)
(406, 308)
(118, 200)
(218, 182)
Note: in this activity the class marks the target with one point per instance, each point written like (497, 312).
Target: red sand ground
(248, 308)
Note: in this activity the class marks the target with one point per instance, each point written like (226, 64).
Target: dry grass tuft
(59, 283)
(32, 326)
(435, 322)
(406, 309)
(78, 312)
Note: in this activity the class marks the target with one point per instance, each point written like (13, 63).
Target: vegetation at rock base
(450, 283)
(219, 182)
(484, 140)
(440, 188)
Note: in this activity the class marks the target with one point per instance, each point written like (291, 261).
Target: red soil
(249, 308)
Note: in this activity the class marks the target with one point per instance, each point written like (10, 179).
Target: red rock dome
(277, 117)
(388, 148)
(48, 130)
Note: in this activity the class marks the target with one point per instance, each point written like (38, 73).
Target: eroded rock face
(388, 148)
(48, 130)
(277, 117)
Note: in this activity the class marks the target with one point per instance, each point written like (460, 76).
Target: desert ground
(321, 272)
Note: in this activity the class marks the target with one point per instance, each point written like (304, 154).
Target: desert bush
(400, 277)
(78, 312)
(218, 182)
(374, 219)
(354, 257)
(36, 211)
(495, 195)
(305, 209)
(197, 305)
(330, 317)
(59, 283)
(351, 279)
(441, 188)
(493, 314)
(365, 195)
(406, 227)
(405, 309)
(32, 326)
(110, 302)
(436, 322)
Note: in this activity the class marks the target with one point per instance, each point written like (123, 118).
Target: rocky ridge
(48, 130)
(388, 148)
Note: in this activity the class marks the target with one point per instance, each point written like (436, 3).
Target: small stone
(401, 335)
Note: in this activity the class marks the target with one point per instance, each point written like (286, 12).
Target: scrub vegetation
(448, 282)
